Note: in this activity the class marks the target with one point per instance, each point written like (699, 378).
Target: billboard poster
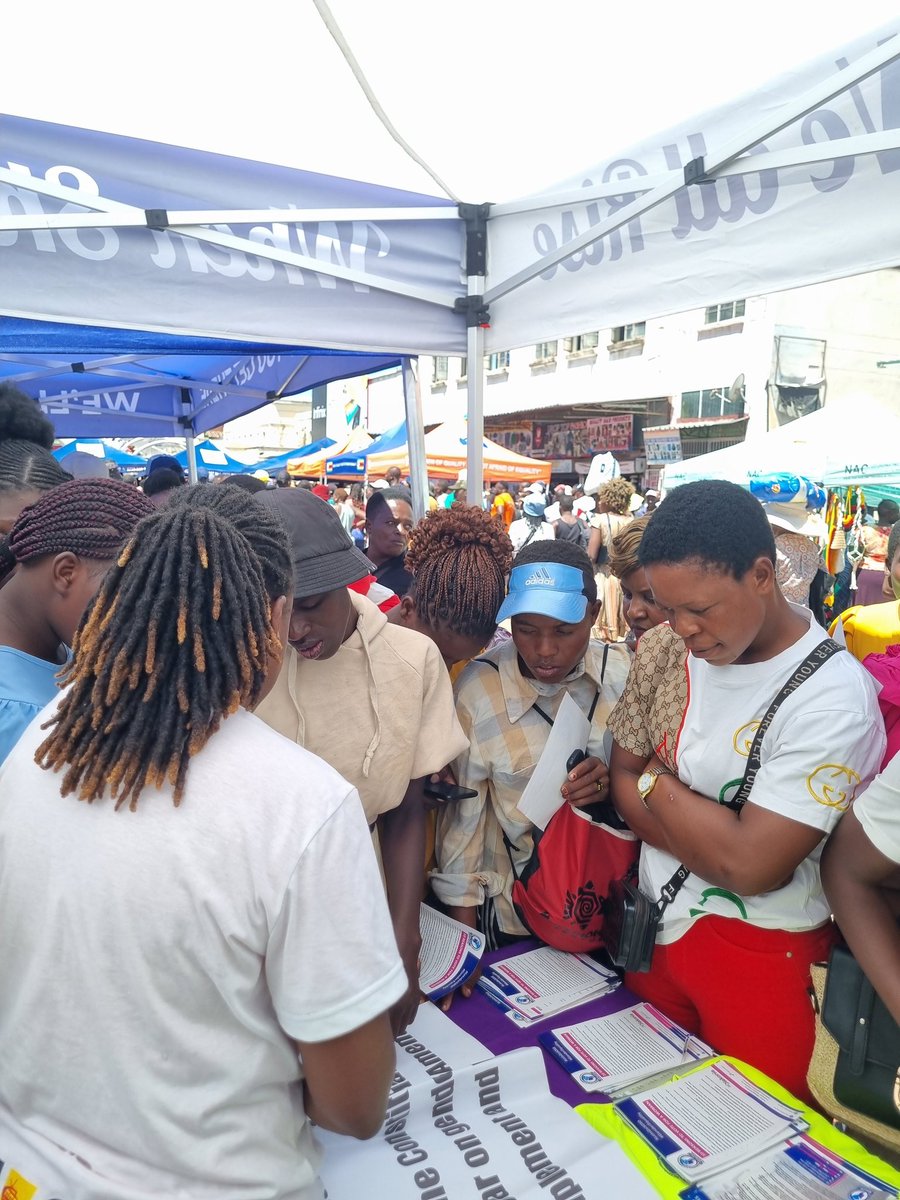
(583, 439)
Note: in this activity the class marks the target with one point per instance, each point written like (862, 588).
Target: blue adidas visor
(545, 589)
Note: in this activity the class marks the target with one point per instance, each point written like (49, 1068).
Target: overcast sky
(501, 97)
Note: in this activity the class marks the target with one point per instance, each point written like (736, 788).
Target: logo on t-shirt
(833, 785)
(743, 739)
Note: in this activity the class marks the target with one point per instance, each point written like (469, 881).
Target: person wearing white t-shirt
(174, 944)
(861, 874)
(733, 951)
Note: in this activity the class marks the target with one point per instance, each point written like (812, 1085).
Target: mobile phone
(576, 757)
(449, 791)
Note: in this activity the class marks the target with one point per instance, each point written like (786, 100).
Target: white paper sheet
(541, 796)
(542, 982)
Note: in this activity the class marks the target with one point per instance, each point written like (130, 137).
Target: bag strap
(816, 658)
(490, 663)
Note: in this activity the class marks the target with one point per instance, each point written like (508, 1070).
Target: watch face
(645, 782)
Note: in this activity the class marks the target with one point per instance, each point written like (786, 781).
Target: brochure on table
(615, 1051)
(541, 983)
(462, 1125)
(799, 1169)
(710, 1121)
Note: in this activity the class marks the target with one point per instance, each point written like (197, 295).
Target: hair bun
(21, 419)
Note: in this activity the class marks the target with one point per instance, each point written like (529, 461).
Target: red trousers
(744, 990)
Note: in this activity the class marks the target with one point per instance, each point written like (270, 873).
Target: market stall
(446, 451)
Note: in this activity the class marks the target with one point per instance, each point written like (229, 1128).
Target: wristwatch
(646, 783)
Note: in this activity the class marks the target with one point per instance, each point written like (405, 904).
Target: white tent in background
(794, 184)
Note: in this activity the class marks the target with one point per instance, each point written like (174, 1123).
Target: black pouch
(631, 924)
(867, 1075)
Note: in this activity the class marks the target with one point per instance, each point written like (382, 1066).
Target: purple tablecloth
(484, 1021)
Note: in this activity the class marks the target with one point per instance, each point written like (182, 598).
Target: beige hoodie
(380, 711)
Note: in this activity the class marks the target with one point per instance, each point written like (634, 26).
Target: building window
(724, 312)
(545, 352)
(498, 361)
(461, 378)
(629, 333)
(584, 341)
(440, 369)
(711, 402)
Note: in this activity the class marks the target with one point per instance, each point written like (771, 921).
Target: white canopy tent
(739, 202)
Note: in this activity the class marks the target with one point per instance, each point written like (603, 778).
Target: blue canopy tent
(152, 290)
(353, 465)
(96, 446)
(211, 459)
(279, 462)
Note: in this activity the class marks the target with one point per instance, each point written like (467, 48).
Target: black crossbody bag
(632, 919)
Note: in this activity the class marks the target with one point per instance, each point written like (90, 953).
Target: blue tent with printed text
(354, 465)
(152, 290)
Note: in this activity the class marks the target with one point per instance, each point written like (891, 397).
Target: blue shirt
(27, 684)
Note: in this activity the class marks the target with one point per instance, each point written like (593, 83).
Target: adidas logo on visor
(540, 578)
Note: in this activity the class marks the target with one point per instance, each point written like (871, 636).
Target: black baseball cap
(323, 555)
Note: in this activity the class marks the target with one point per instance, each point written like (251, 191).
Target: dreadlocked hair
(87, 517)
(459, 559)
(179, 637)
(26, 436)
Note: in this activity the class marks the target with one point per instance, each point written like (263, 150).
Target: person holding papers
(506, 702)
(175, 940)
(732, 953)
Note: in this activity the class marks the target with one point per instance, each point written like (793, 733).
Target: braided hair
(26, 436)
(179, 636)
(459, 559)
(88, 517)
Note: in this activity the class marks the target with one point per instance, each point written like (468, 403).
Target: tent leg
(191, 457)
(415, 435)
(475, 413)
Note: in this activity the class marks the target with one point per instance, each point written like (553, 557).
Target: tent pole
(187, 420)
(415, 440)
(475, 414)
(191, 457)
(477, 320)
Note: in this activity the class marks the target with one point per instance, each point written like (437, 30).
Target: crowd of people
(251, 689)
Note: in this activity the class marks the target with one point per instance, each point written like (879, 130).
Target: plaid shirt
(506, 738)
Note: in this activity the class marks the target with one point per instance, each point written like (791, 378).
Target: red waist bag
(560, 892)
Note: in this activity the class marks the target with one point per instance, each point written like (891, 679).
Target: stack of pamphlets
(610, 1053)
(450, 953)
(540, 983)
(798, 1169)
(710, 1121)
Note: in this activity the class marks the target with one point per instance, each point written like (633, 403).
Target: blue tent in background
(101, 449)
(280, 461)
(211, 460)
(353, 465)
